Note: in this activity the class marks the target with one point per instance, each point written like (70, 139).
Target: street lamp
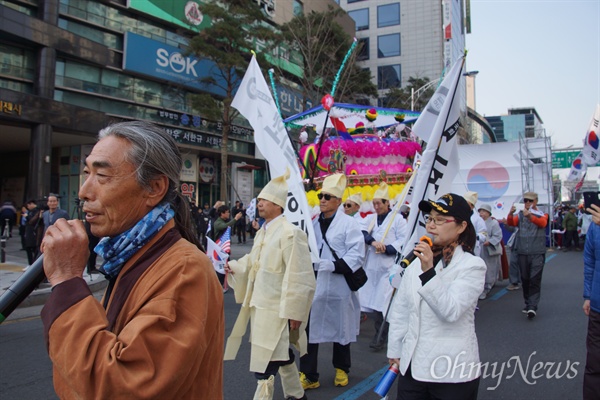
(420, 91)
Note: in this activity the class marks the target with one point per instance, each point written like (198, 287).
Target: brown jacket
(166, 341)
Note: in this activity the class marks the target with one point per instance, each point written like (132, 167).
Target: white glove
(326, 265)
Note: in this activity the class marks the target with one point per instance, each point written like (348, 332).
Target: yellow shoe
(341, 378)
(306, 384)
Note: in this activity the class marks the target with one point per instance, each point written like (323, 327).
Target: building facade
(519, 123)
(70, 67)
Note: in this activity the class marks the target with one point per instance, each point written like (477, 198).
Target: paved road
(538, 359)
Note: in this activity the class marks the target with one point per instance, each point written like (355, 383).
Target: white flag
(578, 169)
(439, 122)
(216, 255)
(592, 140)
(254, 100)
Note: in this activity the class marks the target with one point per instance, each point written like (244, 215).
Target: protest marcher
(570, 224)
(275, 284)
(477, 221)
(432, 319)
(384, 233)
(531, 248)
(159, 330)
(335, 313)
(491, 249)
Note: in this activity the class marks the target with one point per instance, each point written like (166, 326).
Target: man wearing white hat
(275, 283)
(335, 314)
(352, 206)
(477, 221)
(384, 233)
(491, 249)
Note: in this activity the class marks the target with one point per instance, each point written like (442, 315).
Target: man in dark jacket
(569, 224)
(531, 248)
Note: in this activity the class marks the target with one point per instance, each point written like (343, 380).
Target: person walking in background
(384, 233)
(53, 212)
(514, 274)
(491, 249)
(591, 305)
(159, 332)
(8, 217)
(335, 313)
(23, 225)
(477, 221)
(531, 248)
(34, 231)
(275, 284)
(221, 235)
(570, 223)
(241, 224)
(433, 315)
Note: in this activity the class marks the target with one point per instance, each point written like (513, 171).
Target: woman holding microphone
(432, 323)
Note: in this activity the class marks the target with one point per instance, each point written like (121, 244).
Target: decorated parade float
(368, 144)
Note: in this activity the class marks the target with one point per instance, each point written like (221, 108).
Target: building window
(388, 15)
(388, 45)
(361, 18)
(388, 76)
(363, 52)
(354, 1)
(298, 8)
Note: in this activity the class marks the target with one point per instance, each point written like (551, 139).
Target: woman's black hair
(468, 237)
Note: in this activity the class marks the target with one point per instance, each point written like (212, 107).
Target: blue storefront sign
(159, 60)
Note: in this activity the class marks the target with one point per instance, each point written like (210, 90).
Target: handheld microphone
(22, 288)
(411, 257)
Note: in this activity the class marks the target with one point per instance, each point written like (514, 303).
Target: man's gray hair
(155, 153)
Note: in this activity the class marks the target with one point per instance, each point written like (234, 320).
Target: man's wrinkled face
(114, 201)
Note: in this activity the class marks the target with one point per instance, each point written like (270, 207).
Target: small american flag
(225, 240)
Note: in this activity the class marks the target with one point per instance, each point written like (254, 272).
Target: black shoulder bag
(354, 279)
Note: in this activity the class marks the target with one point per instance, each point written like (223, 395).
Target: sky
(541, 54)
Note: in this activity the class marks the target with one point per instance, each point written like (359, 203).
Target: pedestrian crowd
(158, 331)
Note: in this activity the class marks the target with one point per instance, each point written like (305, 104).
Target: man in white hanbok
(352, 207)
(335, 313)
(275, 284)
(384, 233)
(477, 221)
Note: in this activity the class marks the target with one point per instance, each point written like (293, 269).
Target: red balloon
(327, 102)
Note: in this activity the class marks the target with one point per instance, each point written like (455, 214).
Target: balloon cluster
(371, 114)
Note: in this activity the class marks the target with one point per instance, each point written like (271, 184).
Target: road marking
(363, 387)
(504, 291)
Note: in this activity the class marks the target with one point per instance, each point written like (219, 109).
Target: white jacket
(432, 326)
(377, 292)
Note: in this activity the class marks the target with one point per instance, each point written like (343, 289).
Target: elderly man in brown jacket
(158, 332)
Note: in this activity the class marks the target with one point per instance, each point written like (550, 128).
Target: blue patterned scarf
(116, 251)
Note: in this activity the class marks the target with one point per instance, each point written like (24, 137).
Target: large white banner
(439, 123)
(495, 172)
(254, 100)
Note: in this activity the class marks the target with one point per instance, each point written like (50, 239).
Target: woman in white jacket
(432, 322)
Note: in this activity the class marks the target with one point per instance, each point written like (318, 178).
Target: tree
(401, 97)
(323, 44)
(236, 24)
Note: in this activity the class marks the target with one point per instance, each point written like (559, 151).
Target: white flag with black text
(255, 102)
